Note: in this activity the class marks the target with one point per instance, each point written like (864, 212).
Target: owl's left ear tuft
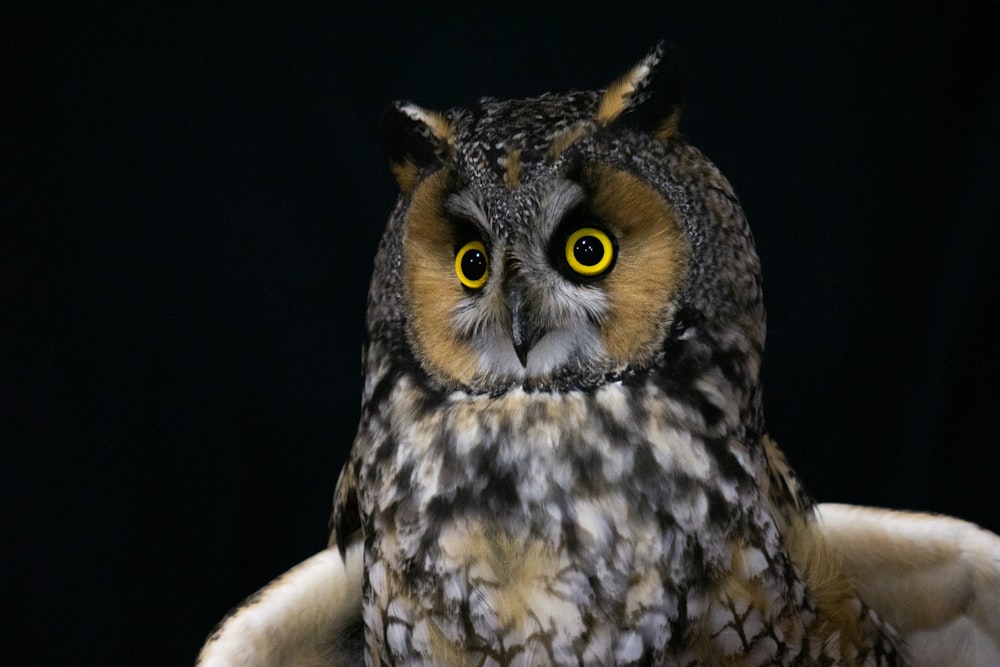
(648, 97)
(414, 140)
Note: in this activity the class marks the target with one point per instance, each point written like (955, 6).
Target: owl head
(563, 241)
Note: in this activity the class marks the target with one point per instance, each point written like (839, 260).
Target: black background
(191, 200)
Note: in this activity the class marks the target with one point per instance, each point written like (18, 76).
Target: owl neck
(716, 370)
(704, 384)
(712, 369)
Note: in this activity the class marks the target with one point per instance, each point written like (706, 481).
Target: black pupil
(473, 264)
(588, 250)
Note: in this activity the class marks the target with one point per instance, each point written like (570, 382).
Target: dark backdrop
(191, 200)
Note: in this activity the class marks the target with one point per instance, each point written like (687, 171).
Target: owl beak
(525, 329)
(522, 333)
(521, 346)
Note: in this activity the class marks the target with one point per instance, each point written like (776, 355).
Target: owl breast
(589, 529)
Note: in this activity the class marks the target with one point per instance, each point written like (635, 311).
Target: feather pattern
(935, 579)
(307, 617)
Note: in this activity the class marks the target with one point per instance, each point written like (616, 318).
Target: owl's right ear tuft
(414, 140)
(648, 97)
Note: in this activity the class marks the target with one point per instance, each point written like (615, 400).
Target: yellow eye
(589, 251)
(472, 265)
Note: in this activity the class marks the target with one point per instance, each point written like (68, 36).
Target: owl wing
(345, 521)
(935, 579)
(310, 615)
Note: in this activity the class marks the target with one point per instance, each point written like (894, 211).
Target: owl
(562, 457)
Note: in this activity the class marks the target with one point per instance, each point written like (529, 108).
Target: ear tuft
(648, 97)
(414, 140)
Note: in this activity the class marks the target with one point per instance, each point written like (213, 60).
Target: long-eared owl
(562, 456)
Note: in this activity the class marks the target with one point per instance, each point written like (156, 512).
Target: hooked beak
(519, 336)
(522, 331)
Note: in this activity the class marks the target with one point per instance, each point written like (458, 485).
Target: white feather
(296, 620)
(935, 579)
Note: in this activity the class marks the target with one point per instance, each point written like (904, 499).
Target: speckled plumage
(609, 498)
(562, 456)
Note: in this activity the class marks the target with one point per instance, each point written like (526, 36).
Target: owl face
(525, 283)
(553, 242)
(530, 252)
